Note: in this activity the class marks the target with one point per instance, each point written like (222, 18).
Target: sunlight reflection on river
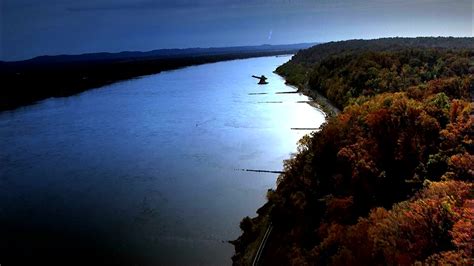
(146, 168)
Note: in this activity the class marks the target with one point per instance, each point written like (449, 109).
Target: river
(146, 171)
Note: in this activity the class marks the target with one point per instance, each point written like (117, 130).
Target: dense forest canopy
(389, 180)
(319, 52)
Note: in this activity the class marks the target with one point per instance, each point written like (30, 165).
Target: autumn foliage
(435, 225)
(389, 180)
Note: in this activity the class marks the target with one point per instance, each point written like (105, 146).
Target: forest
(388, 181)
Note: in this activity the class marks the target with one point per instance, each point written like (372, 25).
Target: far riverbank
(27, 82)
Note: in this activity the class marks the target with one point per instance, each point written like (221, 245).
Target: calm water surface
(144, 171)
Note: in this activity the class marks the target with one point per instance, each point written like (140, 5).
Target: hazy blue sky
(36, 27)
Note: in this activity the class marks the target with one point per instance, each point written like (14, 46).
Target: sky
(30, 28)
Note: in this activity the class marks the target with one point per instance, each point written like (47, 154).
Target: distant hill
(162, 53)
(323, 50)
(25, 82)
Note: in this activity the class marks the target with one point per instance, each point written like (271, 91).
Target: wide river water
(145, 171)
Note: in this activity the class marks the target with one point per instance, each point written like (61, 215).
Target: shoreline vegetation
(27, 82)
(320, 102)
(387, 180)
(317, 100)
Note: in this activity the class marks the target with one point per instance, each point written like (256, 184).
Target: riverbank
(250, 246)
(319, 101)
(251, 241)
